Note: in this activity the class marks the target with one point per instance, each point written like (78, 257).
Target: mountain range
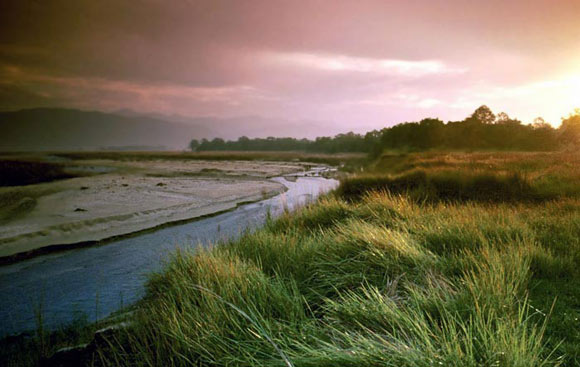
(72, 129)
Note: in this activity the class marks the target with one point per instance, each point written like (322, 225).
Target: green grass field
(431, 259)
(407, 277)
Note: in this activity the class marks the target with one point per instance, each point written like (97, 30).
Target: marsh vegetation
(401, 277)
(419, 259)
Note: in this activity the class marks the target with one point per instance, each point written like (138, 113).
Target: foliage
(482, 130)
(349, 142)
(570, 129)
(382, 280)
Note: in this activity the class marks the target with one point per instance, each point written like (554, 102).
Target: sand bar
(130, 197)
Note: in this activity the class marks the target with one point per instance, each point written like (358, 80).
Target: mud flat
(120, 198)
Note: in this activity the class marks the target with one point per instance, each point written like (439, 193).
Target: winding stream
(95, 281)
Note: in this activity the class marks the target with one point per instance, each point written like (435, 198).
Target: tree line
(349, 142)
(482, 130)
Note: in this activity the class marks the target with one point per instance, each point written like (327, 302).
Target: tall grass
(449, 185)
(475, 176)
(380, 281)
(434, 259)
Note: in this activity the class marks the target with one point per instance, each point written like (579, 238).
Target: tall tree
(484, 115)
(193, 145)
(570, 129)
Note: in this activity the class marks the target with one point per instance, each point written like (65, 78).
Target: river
(95, 281)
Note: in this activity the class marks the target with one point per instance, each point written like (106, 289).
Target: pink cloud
(353, 64)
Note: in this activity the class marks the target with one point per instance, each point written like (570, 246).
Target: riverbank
(93, 281)
(120, 197)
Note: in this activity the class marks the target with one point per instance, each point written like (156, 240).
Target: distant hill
(252, 126)
(70, 129)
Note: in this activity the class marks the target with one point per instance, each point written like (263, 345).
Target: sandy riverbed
(129, 197)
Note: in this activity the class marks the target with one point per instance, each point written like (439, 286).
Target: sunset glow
(341, 63)
(348, 65)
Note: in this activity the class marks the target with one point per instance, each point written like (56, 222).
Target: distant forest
(482, 130)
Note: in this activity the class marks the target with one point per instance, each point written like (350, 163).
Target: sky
(351, 65)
